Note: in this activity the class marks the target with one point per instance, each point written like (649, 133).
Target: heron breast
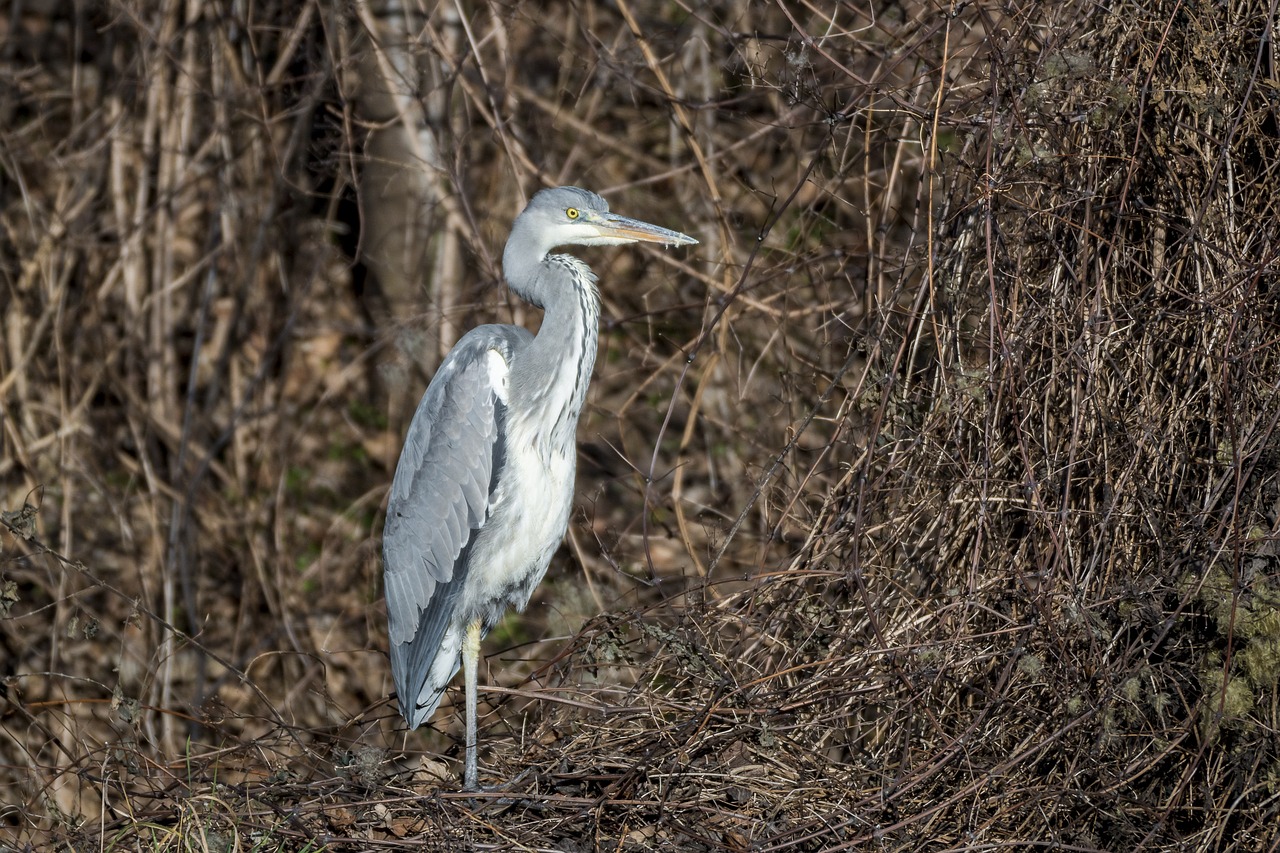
(530, 512)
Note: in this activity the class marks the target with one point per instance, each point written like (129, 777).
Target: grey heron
(482, 492)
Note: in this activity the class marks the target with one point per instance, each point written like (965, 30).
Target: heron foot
(500, 788)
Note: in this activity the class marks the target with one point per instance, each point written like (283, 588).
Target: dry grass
(932, 503)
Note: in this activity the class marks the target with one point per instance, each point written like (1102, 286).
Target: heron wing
(440, 497)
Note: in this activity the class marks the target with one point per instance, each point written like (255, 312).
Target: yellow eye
(571, 212)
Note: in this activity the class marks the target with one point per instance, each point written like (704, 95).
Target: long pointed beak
(617, 227)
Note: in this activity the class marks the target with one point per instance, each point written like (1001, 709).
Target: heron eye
(571, 212)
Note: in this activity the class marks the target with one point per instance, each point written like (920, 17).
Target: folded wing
(440, 499)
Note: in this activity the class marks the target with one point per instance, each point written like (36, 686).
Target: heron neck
(554, 374)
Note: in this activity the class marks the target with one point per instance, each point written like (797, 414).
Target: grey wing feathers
(440, 497)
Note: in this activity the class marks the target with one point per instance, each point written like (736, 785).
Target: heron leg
(470, 655)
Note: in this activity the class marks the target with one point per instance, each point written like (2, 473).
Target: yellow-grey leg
(470, 655)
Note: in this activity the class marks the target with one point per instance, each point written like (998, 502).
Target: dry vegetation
(931, 503)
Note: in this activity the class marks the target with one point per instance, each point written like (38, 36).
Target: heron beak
(621, 228)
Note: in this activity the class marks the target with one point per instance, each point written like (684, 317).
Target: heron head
(569, 216)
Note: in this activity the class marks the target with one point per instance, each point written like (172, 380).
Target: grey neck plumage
(553, 372)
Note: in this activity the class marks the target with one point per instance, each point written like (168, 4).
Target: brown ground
(930, 503)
